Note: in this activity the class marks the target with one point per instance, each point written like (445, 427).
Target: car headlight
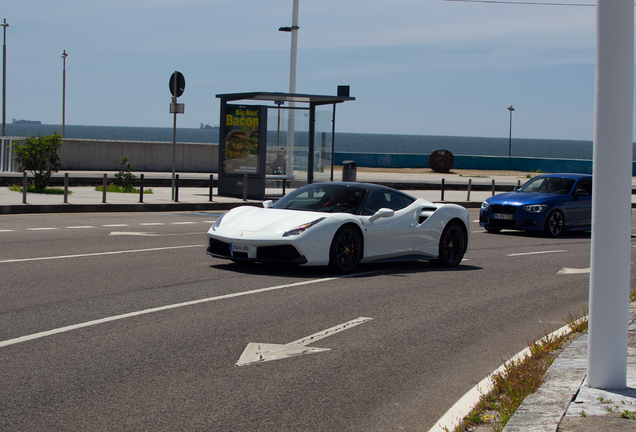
(302, 228)
(218, 222)
(485, 205)
(534, 208)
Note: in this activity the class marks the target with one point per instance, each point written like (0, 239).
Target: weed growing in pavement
(31, 189)
(578, 324)
(616, 409)
(522, 377)
(519, 379)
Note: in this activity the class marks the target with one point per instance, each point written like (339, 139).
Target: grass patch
(121, 189)
(31, 189)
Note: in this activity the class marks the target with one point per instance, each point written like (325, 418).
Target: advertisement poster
(241, 139)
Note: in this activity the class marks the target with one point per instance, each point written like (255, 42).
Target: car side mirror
(268, 203)
(581, 192)
(382, 213)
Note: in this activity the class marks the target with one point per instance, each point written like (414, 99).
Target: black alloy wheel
(554, 224)
(346, 250)
(452, 245)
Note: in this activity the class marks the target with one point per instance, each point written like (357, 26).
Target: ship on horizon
(30, 122)
(207, 126)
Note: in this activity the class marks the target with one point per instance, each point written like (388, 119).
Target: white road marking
(536, 253)
(160, 308)
(133, 233)
(116, 225)
(7, 230)
(78, 227)
(152, 223)
(40, 229)
(97, 254)
(182, 223)
(259, 352)
(566, 270)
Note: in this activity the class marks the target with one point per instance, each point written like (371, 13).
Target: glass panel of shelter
(290, 158)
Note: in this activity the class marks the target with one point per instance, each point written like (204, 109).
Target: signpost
(177, 86)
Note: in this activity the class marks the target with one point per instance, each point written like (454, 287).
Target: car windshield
(552, 185)
(323, 197)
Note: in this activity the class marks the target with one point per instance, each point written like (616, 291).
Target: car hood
(524, 198)
(251, 219)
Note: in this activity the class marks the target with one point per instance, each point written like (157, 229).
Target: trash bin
(349, 171)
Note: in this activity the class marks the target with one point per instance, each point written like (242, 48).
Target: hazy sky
(429, 67)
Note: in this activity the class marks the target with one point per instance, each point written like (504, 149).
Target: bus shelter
(277, 137)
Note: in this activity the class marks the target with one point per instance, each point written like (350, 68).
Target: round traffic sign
(177, 84)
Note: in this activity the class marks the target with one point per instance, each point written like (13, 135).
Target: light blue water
(345, 142)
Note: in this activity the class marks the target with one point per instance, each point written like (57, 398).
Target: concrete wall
(396, 160)
(80, 154)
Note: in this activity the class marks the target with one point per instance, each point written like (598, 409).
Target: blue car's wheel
(554, 224)
(346, 250)
(452, 245)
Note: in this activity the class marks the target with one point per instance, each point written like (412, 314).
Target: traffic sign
(177, 84)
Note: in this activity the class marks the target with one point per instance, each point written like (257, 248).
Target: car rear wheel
(554, 224)
(452, 245)
(346, 250)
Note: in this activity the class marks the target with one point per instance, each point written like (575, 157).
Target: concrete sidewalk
(84, 198)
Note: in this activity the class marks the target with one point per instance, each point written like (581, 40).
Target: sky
(420, 67)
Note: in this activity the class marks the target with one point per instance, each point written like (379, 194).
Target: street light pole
(292, 87)
(511, 109)
(64, 55)
(4, 76)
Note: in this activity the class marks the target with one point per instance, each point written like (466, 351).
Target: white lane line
(98, 254)
(116, 225)
(133, 233)
(536, 253)
(40, 229)
(567, 270)
(182, 223)
(7, 230)
(157, 309)
(80, 226)
(152, 223)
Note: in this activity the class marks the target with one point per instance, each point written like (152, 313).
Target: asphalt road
(121, 322)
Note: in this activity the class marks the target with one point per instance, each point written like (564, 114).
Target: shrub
(125, 178)
(41, 156)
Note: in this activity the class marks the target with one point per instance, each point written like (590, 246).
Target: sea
(344, 142)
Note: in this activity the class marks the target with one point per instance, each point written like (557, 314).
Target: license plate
(239, 247)
(503, 216)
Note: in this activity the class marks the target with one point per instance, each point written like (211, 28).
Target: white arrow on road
(259, 352)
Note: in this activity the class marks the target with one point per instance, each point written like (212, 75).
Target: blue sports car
(550, 203)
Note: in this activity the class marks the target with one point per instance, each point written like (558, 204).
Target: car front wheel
(452, 245)
(554, 224)
(346, 250)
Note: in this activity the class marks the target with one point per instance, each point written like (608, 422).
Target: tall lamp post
(511, 109)
(4, 75)
(64, 55)
(292, 86)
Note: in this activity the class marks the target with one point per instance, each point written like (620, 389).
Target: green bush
(125, 178)
(41, 156)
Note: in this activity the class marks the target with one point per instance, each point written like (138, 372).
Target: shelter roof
(286, 97)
